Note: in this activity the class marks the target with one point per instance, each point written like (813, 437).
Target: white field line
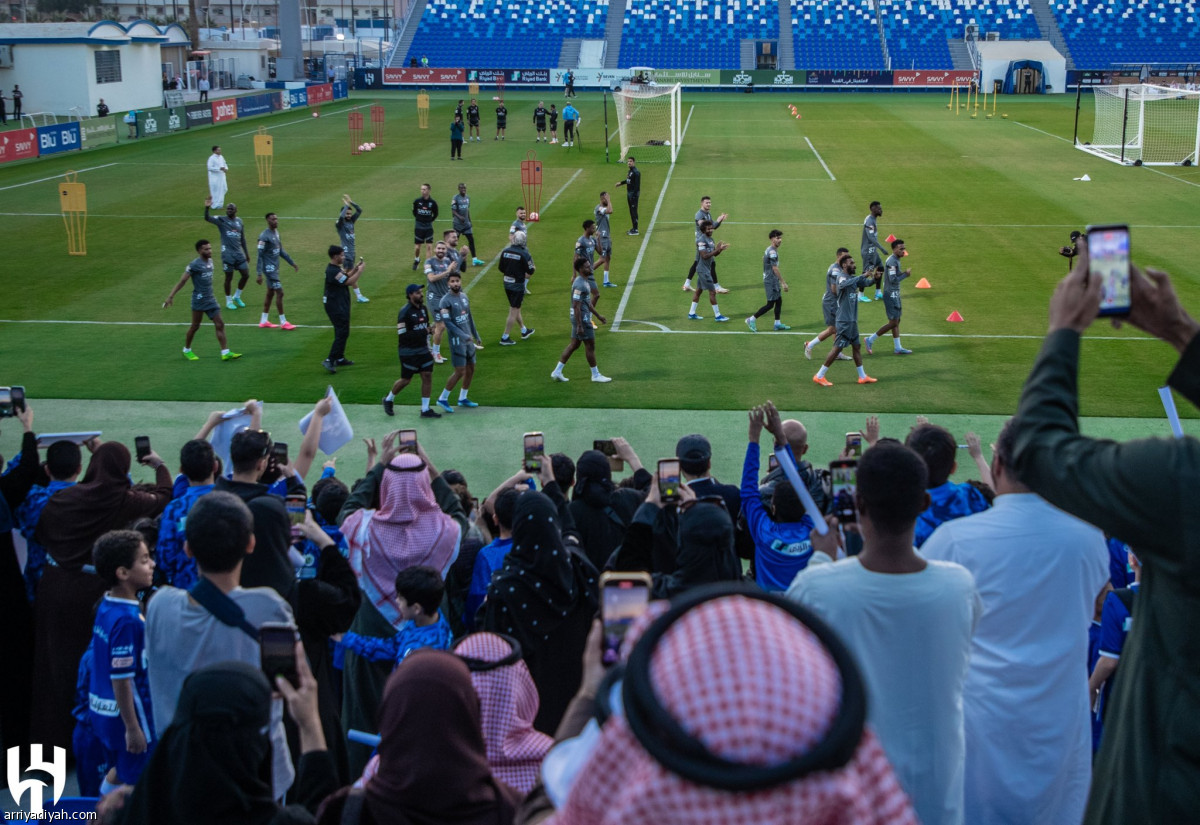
(55, 177)
(819, 158)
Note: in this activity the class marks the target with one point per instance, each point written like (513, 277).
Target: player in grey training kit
(773, 284)
(892, 276)
(704, 213)
(200, 273)
(829, 306)
(871, 247)
(848, 285)
(270, 250)
(455, 312)
(585, 247)
(437, 272)
(603, 237)
(706, 251)
(460, 209)
(347, 218)
(234, 254)
(582, 332)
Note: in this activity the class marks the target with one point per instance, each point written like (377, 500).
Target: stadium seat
(835, 34)
(1102, 32)
(694, 33)
(512, 34)
(918, 30)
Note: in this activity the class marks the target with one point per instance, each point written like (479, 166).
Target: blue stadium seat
(1102, 32)
(699, 34)
(917, 31)
(514, 34)
(835, 34)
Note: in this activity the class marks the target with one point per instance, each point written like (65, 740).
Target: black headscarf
(541, 582)
(593, 479)
(213, 763)
(706, 553)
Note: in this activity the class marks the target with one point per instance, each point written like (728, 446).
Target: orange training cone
(889, 239)
(955, 317)
(923, 284)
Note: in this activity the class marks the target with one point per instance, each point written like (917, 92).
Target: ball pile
(365, 147)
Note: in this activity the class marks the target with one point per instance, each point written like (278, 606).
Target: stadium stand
(836, 34)
(694, 33)
(918, 30)
(516, 34)
(1101, 32)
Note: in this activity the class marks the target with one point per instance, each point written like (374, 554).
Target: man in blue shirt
(782, 547)
(198, 464)
(491, 556)
(64, 462)
(570, 117)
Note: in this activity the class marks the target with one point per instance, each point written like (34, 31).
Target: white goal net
(648, 121)
(1140, 124)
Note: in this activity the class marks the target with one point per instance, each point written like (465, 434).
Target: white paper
(336, 431)
(44, 440)
(1168, 402)
(232, 422)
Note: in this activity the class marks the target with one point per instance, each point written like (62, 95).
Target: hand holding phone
(407, 441)
(277, 644)
(854, 444)
(1109, 261)
(18, 399)
(141, 445)
(535, 452)
(625, 597)
(843, 475)
(280, 451)
(668, 480)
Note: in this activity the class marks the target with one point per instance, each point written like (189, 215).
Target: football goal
(1141, 123)
(648, 121)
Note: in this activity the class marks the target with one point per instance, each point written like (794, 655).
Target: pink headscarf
(756, 686)
(509, 701)
(407, 530)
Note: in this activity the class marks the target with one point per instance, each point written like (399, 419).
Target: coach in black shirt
(412, 330)
(337, 306)
(633, 188)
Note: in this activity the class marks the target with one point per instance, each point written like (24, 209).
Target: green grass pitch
(982, 203)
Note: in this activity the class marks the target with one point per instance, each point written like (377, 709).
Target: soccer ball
(362, 147)
(316, 114)
(666, 143)
(629, 116)
(371, 145)
(535, 217)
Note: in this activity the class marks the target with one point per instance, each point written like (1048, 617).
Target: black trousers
(470, 242)
(633, 210)
(341, 334)
(455, 148)
(568, 129)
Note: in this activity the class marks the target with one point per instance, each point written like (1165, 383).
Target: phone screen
(535, 450)
(625, 597)
(280, 451)
(277, 643)
(605, 446)
(142, 445)
(854, 443)
(297, 506)
(1108, 260)
(772, 463)
(408, 441)
(18, 399)
(844, 480)
(668, 479)
(6, 405)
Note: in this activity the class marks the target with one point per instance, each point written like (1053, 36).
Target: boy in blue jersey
(119, 696)
(1116, 620)
(782, 547)
(198, 464)
(419, 592)
(947, 500)
(64, 462)
(491, 556)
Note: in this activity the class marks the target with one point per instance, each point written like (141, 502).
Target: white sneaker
(722, 290)
(363, 299)
(600, 379)
(808, 352)
(844, 357)
(558, 376)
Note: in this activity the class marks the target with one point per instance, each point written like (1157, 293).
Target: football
(316, 114)
(533, 216)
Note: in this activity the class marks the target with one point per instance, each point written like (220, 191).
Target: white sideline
(819, 158)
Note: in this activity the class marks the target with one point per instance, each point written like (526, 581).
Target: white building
(66, 67)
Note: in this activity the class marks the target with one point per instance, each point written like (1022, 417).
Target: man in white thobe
(217, 186)
(1038, 570)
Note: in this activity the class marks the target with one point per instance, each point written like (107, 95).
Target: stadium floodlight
(649, 121)
(1140, 123)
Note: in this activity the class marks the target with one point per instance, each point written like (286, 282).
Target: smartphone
(297, 507)
(1109, 260)
(407, 441)
(277, 643)
(18, 399)
(6, 404)
(280, 451)
(142, 445)
(772, 463)
(535, 452)
(854, 444)
(624, 597)
(668, 479)
(843, 475)
(606, 446)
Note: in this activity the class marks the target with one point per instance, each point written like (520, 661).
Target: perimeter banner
(97, 131)
(18, 145)
(779, 79)
(924, 79)
(849, 79)
(61, 137)
(433, 77)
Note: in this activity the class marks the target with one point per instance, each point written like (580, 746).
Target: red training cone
(923, 284)
(955, 317)
(889, 239)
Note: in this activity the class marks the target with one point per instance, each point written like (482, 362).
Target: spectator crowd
(226, 644)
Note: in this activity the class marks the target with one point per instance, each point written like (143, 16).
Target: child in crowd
(119, 697)
(91, 758)
(419, 592)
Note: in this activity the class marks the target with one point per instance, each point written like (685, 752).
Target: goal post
(649, 121)
(1140, 123)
